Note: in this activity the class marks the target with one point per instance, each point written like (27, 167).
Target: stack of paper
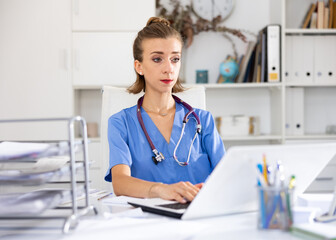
(315, 230)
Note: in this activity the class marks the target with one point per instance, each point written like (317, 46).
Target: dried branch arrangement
(181, 19)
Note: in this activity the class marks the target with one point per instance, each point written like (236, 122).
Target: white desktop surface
(119, 225)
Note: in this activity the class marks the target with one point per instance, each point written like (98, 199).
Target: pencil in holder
(275, 209)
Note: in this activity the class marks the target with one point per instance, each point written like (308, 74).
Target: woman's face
(161, 63)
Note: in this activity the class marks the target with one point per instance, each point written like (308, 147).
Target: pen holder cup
(275, 210)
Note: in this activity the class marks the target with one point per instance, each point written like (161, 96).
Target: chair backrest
(114, 99)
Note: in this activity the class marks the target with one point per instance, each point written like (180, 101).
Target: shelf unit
(74, 211)
(318, 95)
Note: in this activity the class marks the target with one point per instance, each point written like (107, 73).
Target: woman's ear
(138, 67)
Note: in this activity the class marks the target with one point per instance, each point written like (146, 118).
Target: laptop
(231, 187)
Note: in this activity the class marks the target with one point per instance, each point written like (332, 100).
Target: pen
(265, 169)
(105, 196)
(291, 184)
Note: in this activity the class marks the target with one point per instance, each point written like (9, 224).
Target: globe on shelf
(228, 70)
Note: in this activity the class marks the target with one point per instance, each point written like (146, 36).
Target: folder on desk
(273, 52)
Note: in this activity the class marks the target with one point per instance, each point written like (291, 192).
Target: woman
(175, 172)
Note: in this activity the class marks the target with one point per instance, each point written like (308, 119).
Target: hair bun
(157, 20)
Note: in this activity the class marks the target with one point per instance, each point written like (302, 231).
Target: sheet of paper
(121, 200)
(10, 150)
(323, 230)
(137, 228)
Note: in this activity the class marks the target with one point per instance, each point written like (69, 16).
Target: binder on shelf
(298, 110)
(289, 112)
(303, 59)
(307, 64)
(289, 59)
(294, 111)
(273, 53)
(324, 55)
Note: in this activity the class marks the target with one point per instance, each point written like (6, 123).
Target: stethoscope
(158, 157)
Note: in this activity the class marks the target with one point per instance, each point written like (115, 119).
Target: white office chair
(116, 98)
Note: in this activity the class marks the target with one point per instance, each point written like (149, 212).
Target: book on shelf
(326, 17)
(257, 61)
(320, 14)
(313, 21)
(334, 15)
(308, 16)
(248, 77)
(331, 12)
(262, 61)
(245, 61)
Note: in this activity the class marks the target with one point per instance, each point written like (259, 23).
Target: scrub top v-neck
(128, 145)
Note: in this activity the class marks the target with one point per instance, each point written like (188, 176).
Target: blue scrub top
(128, 145)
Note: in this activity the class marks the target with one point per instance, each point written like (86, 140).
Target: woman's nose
(168, 67)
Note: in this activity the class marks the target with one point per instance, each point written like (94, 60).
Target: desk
(151, 226)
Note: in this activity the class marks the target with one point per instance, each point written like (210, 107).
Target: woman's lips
(166, 81)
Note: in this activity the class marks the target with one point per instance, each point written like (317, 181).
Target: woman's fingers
(181, 192)
(186, 190)
(199, 185)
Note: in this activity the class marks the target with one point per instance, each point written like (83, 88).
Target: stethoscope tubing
(158, 156)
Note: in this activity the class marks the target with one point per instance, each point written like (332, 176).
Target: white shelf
(207, 85)
(87, 87)
(300, 31)
(237, 85)
(312, 137)
(298, 84)
(253, 138)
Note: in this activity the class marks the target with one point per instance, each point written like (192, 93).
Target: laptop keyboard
(175, 205)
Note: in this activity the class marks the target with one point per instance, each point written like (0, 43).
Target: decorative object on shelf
(181, 18)
(331, 129)
(92, 129)
(201, 76)
(229, 70)
(235, 125)
(238, 125)
(209, 10)
(254, 126)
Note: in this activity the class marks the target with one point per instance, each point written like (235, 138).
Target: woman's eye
(175, 60)
(157, 60)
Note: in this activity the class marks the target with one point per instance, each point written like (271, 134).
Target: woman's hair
(156, 27)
